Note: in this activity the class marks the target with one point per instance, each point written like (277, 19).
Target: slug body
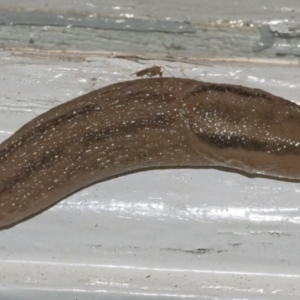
(147, 123)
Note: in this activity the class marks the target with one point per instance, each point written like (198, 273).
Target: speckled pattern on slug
(141, 124)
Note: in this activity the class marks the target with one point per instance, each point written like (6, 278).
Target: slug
(145, 123)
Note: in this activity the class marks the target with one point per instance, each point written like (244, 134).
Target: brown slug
(145, 123)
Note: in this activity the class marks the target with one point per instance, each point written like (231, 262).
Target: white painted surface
(181, 233)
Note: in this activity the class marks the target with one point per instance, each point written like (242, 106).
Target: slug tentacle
(148, 123)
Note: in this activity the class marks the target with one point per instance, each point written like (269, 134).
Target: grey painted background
(189, 28)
